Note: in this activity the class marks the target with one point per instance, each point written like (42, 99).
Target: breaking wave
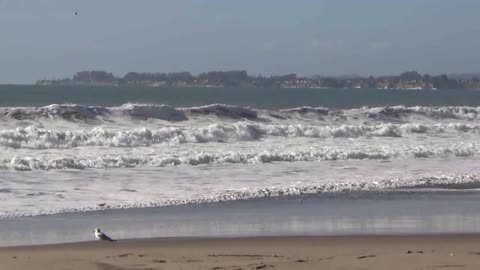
(75, 112)
(79, 138)
(467, 181)
(201, 158)
(462, 113)
(38, 138)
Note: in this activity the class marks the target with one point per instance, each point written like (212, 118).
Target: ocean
(28, 95)
(80, 150)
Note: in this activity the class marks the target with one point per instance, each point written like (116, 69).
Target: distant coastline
(410, 80)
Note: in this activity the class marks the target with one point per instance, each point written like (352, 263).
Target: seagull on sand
(101, 236)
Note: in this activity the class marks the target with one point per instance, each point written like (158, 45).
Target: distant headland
(411, 80)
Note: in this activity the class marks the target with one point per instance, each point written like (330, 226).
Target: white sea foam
(39, 138)
(146, 111)
(40, 146)
(260, 156)
(467, 181)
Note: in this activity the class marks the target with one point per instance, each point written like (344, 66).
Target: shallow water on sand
(401, 212)
(60, 191)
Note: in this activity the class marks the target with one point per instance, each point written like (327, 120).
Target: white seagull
(101, 236)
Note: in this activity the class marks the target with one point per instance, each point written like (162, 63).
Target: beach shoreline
(384, 213)
(445, 251)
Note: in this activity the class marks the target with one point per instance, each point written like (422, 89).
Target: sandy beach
(405, 230)
(329, 252)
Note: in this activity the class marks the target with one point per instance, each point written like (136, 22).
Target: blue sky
(44, 39)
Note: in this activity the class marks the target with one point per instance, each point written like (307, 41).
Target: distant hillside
(410, 80)
(464, 76)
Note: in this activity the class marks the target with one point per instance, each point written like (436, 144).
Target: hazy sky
(44, 38)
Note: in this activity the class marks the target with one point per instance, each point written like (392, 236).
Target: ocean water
(357, 213)
(68, 150)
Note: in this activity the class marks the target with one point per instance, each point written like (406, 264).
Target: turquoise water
(18, 95)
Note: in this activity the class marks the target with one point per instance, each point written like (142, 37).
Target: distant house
(473, 84)
(409, 85)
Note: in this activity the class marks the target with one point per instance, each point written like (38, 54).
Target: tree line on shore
(240, 78)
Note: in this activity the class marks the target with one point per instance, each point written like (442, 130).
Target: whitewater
(71, 157)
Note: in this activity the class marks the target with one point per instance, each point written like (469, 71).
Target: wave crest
(266, 156)
(73, 112)
(38, 138)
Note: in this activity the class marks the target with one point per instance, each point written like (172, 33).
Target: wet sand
(327, 252)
